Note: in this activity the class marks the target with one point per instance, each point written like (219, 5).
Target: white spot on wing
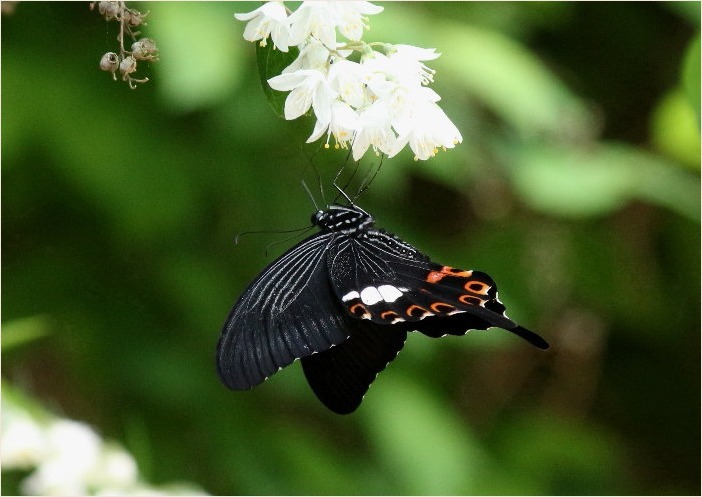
(370, 295)
(389, 293)
(350, 296)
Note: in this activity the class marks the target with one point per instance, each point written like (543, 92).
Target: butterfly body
(342, 301)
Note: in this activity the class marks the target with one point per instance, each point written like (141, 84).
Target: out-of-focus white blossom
(69, 458)
(23, 444)
(116, 468)
(73, 452)
(54, 478)
(75, 443)
(269, 19)
(383, 101)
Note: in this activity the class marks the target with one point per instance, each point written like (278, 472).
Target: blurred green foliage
(576, 187)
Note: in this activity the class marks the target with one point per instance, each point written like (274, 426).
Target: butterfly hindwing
(341, 376)
(287, 313)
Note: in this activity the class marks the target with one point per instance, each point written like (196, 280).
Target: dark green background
(576, 188)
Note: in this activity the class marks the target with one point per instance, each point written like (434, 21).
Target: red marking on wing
(436, 276)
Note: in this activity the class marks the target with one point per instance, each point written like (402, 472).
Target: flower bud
(110, 10)
(109, 62)
(145, 48)
(127, 66)
(133, 17)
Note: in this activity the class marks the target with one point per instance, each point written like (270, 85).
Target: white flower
(316, 19)
(374, 130)
(426, 128)
(307, 88)
(350, 17)
(382, 102)
(269, 19)
(405, 106)
(24, 443)
(346, 78)
(406, 64)
(313, 56)
(344, 122)
(403, 66)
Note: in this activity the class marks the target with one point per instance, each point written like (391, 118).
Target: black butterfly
(343, 301)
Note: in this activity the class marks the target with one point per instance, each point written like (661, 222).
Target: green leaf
(271, 62)
(421, 441)
(691, 76)
(22, 331)
(675, 130)
(15, 402)
(593, 182)
(513, 82)
(561, 454)
(201, 56)
(499, 71)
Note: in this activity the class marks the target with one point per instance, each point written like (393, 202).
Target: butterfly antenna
(353, 174)
(369, 179)
(319, 183)
(338, 174)
(272, 244)
(304, 185)
(310, 163)
(277, 232)
(342, 192)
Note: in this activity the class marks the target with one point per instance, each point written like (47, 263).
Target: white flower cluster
(69, 458)
(381, 101)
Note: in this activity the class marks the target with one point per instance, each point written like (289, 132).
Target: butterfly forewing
(392, 283)
(287, 313)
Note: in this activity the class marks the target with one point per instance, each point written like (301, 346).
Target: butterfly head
(347, 219)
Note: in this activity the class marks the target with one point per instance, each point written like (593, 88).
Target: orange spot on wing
(437, 307)
(477, 287)
(413, 308)
(436, 276)
(389, 315)
(471, 300)
(360, 311)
